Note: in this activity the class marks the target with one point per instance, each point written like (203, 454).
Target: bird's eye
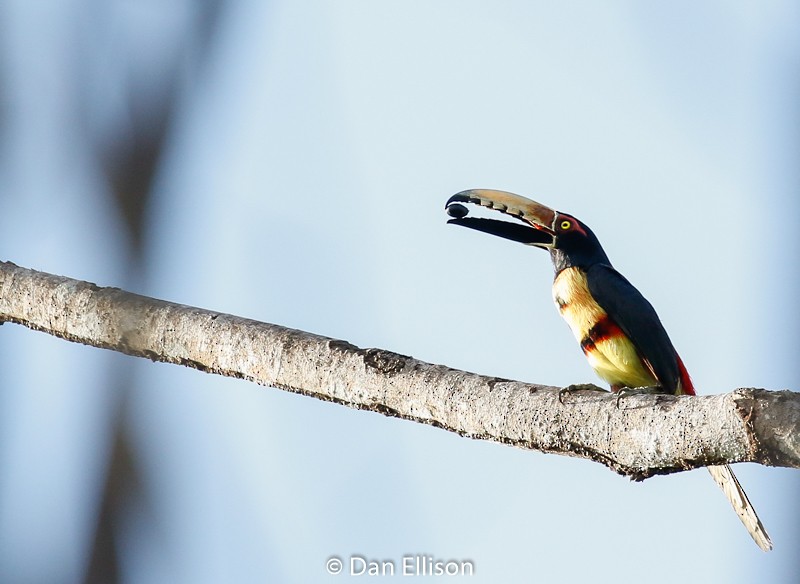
(566, 224)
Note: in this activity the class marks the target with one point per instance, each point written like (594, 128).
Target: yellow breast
(610, 353)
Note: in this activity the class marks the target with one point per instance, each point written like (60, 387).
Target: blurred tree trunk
(130, 152)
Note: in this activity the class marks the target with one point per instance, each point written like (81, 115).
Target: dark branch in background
(644, 436)
(127, 136)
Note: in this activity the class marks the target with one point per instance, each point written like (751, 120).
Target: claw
(652, 390)
(577, 387)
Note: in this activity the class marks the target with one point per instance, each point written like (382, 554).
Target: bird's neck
(563, 259)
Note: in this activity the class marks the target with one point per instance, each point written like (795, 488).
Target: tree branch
(644, 436)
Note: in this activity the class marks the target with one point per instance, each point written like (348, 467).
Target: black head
(574, 244)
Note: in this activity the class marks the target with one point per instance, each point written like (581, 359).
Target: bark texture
(640, 436)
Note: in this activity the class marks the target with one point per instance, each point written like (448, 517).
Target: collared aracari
(617, 328)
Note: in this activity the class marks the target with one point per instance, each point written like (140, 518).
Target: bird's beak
(536, 227)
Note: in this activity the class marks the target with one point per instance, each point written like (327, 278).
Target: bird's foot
(577, 387)
(626, 391)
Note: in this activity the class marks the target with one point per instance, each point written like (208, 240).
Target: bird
(617, 328)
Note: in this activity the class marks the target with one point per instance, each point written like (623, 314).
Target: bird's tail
(724, 477)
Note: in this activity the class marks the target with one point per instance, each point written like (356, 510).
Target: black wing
(638, 320)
